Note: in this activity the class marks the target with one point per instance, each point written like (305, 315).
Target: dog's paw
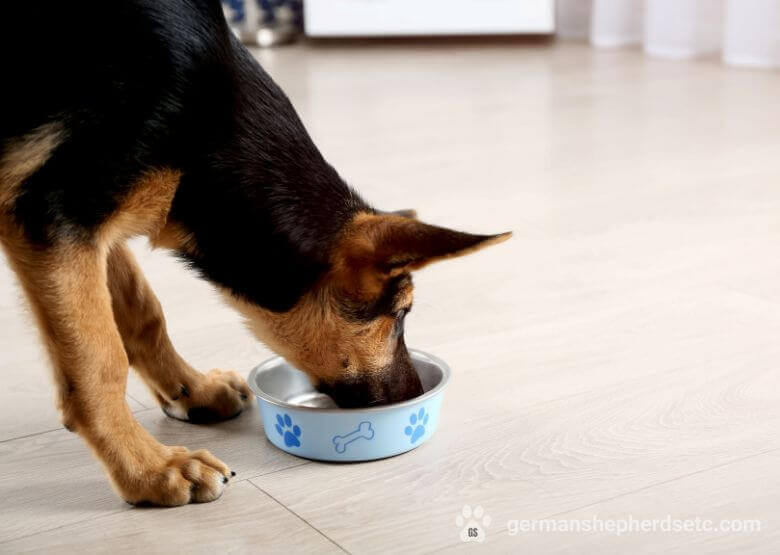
(179, 477)
(219, 395)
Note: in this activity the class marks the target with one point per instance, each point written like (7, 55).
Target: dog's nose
(395, 384)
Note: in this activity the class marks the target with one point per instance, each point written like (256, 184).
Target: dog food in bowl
(300, 420)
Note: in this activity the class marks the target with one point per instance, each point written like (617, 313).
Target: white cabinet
(343, 18)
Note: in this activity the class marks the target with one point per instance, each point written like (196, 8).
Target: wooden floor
(619, 357)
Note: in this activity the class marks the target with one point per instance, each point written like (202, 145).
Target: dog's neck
(262, 209)
(265, 238)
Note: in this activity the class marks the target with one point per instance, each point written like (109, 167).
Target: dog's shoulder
(104, 94)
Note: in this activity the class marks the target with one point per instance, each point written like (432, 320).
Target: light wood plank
(715, 496)
(245, 521)
(51, 479)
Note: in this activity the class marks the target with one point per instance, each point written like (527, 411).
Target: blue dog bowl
(304, 422)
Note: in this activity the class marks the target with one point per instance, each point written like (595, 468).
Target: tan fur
(175, 238)
(141, 323)
(69, 291)
(317, 339)
(22, 157)
(145, 210)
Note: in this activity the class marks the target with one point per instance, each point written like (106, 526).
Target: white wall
(427, 17)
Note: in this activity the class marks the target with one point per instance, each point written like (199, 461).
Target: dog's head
(347, 332)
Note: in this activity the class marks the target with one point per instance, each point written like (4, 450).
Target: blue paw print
(289, 432)
(417, 428)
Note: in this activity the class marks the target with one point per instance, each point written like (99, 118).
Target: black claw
(232, 472)
(205, 415)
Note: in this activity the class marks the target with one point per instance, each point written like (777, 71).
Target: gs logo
(472, 524)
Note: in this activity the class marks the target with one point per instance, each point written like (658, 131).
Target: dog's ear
(380, 246)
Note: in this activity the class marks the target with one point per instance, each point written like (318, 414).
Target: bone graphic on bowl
(364, 431)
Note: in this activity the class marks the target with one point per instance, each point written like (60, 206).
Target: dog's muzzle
(394, 384)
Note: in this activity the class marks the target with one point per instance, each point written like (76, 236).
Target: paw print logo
(289, 432)
(472, 524)
(416, 428)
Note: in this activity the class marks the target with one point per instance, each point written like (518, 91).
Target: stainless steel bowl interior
(280, 383)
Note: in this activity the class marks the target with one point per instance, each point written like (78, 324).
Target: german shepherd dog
(148, 117)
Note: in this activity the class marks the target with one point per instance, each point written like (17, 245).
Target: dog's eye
(399, 320)
(403, 312)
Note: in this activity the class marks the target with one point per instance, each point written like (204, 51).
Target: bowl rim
(445, 378)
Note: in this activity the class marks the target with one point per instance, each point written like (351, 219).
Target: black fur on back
(140, 85)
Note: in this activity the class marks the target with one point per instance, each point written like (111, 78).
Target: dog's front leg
(67, 285)
(183, 392)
